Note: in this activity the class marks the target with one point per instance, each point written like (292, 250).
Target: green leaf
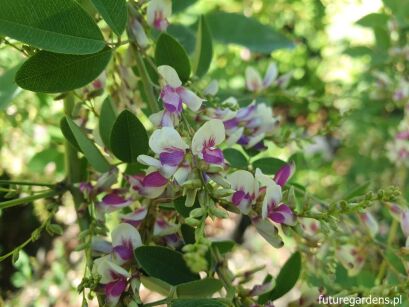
(60, 26)
(8, 87)
(68, 135)
(374, 20)
(209, 302)
(128, 137)
(164, 264)
(180, 207)
(53, 73)
(286, 279)
(224, 246)
(91, 152)
(184, 35)
(188, 233)
(235, 158)
(268, 166)
(156, 285)
(232, 28)
(395, 261)
(180, 5)
(203, 50)
(114, 12)
(198, 288)
(106, 120)
(170, 52)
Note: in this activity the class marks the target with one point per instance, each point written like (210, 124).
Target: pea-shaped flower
(113, 277)
(254, 82)
(173, 95)
(170, 150)
(246, 190)
(206, 139)
(158, 13)
(125, 238)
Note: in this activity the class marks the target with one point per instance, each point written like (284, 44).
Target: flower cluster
(185, 162)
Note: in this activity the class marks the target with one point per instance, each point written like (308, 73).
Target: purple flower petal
(213, 155)
(172, 157)
(114, 199)
(154, 179)
(238, 197)
(284, 173)
(124, 252)
(281, 214)
(115, 288)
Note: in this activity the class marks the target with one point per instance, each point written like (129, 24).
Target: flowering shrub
(156, 154)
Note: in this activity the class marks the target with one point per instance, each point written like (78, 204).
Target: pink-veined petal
(166, 137)
(212, 130)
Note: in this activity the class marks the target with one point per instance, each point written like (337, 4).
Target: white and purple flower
(125, 238)
(173, 95)
(206, 139)
(170, 150)
(254, 82)
(113, 277)
(246, 190)
(158, 13)
(150, 186)
(272, 206)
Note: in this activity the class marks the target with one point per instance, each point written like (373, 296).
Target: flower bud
(219, 212)
(195, 213)
(192, 222)
(223, 192)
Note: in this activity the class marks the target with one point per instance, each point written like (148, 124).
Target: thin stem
(73, 168)
(391, 238)
(146, 81)
(28, 199)
(28, 183)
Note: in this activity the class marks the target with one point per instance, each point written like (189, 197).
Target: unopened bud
(195, 213)
(223, 192)
(192, 184)
(192, 222)
(219, 212)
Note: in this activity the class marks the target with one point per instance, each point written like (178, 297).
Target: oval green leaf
(198, 288)
(106, 121)
(164, 264)
(67, 133)
(60, 26)
(286, 279)
(203, 50)
(128, 137)
(235, 158)
(91, 152)
(268, 166)
(54, 73)
(114, 13)
(170, 52)
(232, 28)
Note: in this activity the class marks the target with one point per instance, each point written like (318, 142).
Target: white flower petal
(154, 6)
(253, 79)
(105, 268)
(182, 174)
(191, 99)
(211, 130)
(166, 137)
(242, 180)
(235, 136)
(148, 160)
(212, 88)
(271, 75)
(170, 75)
(125, 232)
